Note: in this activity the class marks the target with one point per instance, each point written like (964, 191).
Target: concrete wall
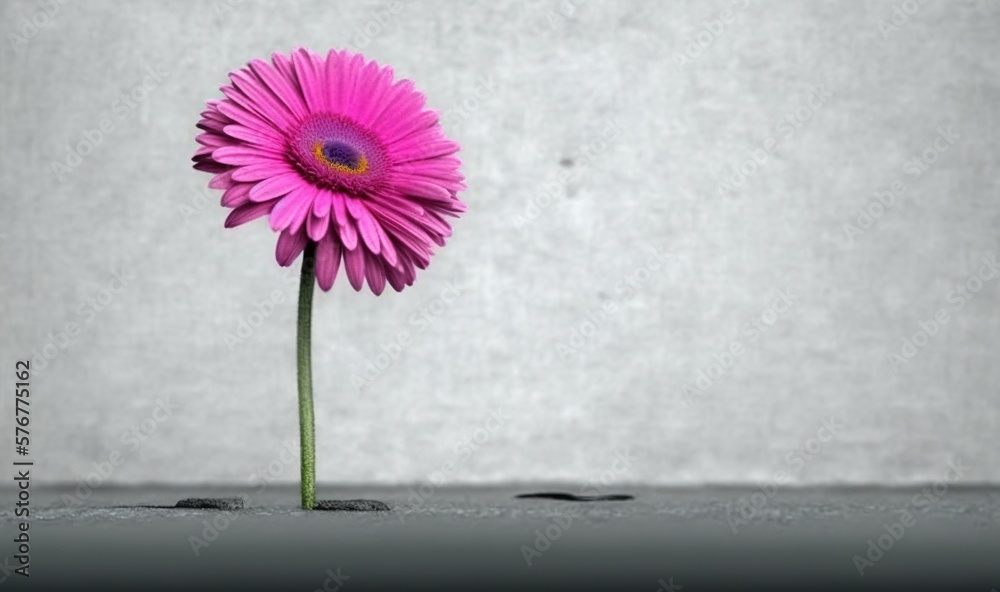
(649, 223)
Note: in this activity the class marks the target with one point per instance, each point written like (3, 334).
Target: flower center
(341, 157)
(335, 152)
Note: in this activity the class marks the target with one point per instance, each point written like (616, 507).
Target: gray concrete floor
(478, 538)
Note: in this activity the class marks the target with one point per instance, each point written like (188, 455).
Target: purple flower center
(342, 153)
(335, 152)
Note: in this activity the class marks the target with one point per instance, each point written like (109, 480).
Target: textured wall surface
(612, 253)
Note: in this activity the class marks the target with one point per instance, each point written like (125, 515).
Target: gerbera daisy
(338, 155)
(348, 166)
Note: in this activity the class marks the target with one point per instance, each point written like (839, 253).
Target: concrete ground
(484, 538)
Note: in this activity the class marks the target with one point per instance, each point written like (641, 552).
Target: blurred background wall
(725, 240)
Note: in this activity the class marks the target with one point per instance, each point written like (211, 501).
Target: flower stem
(307, 437)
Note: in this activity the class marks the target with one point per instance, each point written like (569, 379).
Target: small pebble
(211, 503)
(351, 506)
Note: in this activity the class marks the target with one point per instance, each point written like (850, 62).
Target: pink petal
(240, 99)
(247, 213)
(451, 181)
(249, 134)
(405, 98)
(448, 164)
(237, 195)
(336, 74)
(399, 130)
(212, 111)
(309, 191)
(424, 151)
(354, 206)
(317, 226)
(367, 74)
(354, 265)
(323, 203)
(374, 273)
(327, 262)
(435, 224)
(222, 180)
(276, 186)
(410, 137)
(260, 99)
(243, 155)
(290, 246)
(291, 209)
(213, 140)
(396, 278)
(375, 90)
(401, 91)
(348, 234)
(288, 96)
(366, 224)
(400, 203)
(423, 189)
(211, 167)
(246, 117)
(351, 69)
(210, 126)
(259, 172)
(403, 229)
(308, 73)
(406, 267)
(339, 208)
(388, 249)
(283, 64)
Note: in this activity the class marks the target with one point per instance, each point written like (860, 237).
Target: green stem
(307, 438)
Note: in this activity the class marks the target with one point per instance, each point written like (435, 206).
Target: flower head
(334, 151)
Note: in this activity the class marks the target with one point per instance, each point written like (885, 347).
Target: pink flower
(334, 151)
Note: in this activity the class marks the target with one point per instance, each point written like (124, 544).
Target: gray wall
(835, 105)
